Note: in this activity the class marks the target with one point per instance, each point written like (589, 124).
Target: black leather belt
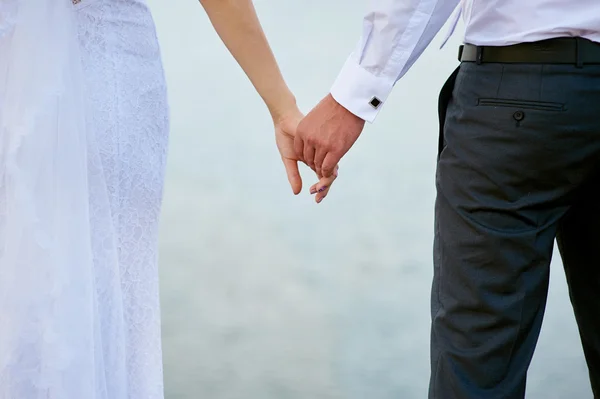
(564, 50)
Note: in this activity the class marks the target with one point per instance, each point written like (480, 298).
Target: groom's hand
(326, 134)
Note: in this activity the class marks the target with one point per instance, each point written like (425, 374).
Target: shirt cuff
(361, 92)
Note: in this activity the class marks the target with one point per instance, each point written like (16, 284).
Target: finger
(322, 194)
(319, 157)
(329, 164)
(324, 182)
(299, 148)
(309, 155)
(314, 188)
(293, 174)
(321, 189)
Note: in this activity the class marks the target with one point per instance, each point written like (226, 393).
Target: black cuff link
(375, 102)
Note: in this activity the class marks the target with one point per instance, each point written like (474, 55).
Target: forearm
(238, 26)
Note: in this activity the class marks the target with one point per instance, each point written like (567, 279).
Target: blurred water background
(269, 296)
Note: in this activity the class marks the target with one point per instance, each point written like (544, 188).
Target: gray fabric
(518, 165)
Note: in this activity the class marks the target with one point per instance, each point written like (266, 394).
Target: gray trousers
(518, 166)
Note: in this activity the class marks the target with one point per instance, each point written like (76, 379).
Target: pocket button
(519, 116)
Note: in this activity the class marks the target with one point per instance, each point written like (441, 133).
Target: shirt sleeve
(395, 33)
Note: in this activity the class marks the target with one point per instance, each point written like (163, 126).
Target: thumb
(293, 174)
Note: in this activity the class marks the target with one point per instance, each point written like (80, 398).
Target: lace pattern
(8, 16)
(82, 320)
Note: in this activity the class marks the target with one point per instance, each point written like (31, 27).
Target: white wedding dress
(83, 140)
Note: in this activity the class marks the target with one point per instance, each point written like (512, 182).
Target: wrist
(341, 108)
(283, 107)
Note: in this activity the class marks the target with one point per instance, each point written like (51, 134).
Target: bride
(83, 143)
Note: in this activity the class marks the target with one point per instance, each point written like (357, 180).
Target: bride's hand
(321, 189)
(285, 130)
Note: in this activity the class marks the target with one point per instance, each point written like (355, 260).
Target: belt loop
(479, 57)
(460, 52)
(579, 52)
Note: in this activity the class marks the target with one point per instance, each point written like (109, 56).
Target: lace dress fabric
(95, 333)
(8, 15)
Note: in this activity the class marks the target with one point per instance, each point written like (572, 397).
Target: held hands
(325, 135)
(285, 130)
(320, 140)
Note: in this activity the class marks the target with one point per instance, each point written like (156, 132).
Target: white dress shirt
(396, 32)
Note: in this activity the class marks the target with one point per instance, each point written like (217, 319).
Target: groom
(518, 166)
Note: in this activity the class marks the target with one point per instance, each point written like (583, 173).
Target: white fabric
(396, 32)
(83, 131)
